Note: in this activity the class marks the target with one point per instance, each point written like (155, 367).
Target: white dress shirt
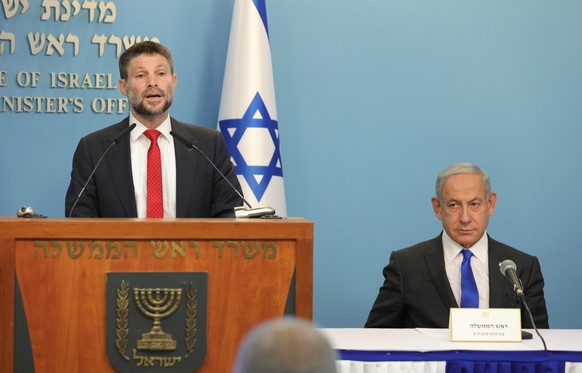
(479, 265)
(139, 146)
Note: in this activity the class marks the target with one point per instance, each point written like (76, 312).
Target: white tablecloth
(395, 341)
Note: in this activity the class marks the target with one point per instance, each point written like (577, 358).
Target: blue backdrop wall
(375, 98)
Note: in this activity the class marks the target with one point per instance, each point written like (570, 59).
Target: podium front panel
(256, 271)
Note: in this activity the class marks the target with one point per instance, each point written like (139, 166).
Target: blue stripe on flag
(262, 9)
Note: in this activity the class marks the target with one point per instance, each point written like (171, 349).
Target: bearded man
(146, 174)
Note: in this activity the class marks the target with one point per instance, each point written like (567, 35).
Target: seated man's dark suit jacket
(416, 291)
(201, 192)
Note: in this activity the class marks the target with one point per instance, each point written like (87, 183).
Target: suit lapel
(186, 164)
(119, 162)
(500, 291)
(435, 261)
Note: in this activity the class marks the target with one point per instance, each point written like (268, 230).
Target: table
(430, 351)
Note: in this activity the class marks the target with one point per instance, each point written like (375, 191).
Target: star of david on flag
(248, 110)
(257, 168)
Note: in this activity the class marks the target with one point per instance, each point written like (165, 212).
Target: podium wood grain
(64, 297)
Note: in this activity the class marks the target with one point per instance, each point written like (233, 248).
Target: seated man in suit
(285, 345)
(147, 173)
(424, 281)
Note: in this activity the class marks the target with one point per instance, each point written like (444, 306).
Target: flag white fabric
(248, 111)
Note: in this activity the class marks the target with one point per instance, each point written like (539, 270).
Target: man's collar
(165, 127)
(452, 248)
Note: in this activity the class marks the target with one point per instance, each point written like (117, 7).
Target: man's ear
(122, 86)
(436, 206)
(492, 200)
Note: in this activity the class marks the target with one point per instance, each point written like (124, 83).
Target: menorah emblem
(157, 304)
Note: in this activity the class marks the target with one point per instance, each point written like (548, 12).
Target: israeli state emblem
(156, 321)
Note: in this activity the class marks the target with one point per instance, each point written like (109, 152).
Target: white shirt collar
(452, 248)
(165, 127)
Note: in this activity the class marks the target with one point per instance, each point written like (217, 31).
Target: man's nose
(465, 217)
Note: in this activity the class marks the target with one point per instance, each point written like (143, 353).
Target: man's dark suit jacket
(201, 192)
(416, 291)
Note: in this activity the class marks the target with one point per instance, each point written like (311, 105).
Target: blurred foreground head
(285, 345)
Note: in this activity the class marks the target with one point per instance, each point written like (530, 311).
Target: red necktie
(155, 208)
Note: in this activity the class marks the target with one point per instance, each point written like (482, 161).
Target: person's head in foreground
(287, 345)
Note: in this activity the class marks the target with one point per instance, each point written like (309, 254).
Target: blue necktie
(469, 292)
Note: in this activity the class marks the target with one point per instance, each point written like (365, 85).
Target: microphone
(115, 141)
(509, 270)
(28, 212)
(240, 211)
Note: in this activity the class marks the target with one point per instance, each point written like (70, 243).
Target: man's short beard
(142, 110)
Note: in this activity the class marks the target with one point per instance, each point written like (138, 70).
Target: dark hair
(144, 47)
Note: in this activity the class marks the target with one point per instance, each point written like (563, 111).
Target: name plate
(485, 325)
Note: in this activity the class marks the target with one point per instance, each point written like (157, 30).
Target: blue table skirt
(463, 361)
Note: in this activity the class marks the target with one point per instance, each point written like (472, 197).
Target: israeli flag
(248, 111)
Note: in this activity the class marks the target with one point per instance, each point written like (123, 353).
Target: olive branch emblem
(122, 323)
(122, 319)
(191, 313)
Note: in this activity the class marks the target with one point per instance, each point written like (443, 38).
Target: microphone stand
(509, 270)
(522, 298)
(114, 142)
(240, 211)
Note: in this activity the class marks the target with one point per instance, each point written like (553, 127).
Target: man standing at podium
(458, 268)
(146, 173)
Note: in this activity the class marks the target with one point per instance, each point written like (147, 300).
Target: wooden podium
(53, 283)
